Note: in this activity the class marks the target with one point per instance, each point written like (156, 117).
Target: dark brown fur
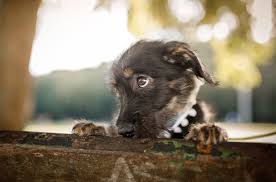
(173, 74)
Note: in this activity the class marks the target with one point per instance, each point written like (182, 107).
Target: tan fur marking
(172, 84)
(128, 72)
(173, 103)
(180, 49)
(187, 57)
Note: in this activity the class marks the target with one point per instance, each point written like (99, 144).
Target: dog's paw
(86, 129)
(207, 134)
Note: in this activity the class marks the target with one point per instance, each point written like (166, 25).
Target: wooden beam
(17, 30)
(27, 156)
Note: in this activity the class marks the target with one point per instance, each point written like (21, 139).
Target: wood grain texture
(27, 156)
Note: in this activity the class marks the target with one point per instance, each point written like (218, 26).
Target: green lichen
(177, 145)
(165, 142)
(190, 145)
(227, 154)
(174, 162)
(173, 147)
(189, 156)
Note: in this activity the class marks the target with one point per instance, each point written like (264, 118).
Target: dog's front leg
(88, 128)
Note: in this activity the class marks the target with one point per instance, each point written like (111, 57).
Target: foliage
(237, 56)
(147, 15)
(74, 94)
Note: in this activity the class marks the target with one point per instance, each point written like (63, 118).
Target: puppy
(156, 84)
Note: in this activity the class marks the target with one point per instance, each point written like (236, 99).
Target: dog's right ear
(180, 53)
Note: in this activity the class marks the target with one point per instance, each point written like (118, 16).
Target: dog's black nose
(126, 131)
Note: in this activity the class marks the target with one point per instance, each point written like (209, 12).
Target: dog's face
(154, 81)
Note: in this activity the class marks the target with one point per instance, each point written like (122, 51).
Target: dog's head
(154, 81)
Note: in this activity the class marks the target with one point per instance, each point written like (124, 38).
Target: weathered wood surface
(26, 156)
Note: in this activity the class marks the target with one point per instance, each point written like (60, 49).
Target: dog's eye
(142, 81)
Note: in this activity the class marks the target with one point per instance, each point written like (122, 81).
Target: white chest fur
(187, 110)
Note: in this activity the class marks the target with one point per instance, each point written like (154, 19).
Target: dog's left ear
(180, 53)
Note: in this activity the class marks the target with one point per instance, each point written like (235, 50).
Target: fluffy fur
(155, 81)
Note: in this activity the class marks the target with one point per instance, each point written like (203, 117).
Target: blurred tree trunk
(17, 30)
(274, 16)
